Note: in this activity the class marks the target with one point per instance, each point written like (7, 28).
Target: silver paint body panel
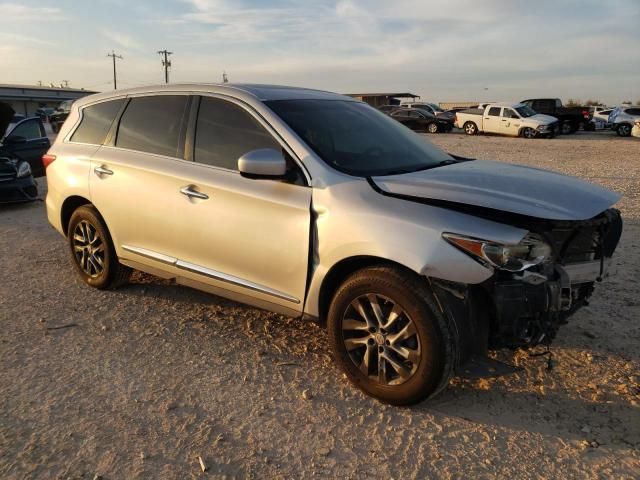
(250, 240)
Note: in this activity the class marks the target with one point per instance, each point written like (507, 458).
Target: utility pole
(114, 56)
(225, 79)
(166, 63)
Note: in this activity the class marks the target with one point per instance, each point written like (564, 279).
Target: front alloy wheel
(389, 336)
(432, 128)
(381, 339)
(529, 133)
(624, 130)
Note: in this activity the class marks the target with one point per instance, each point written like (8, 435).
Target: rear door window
(154, 124)
(494, 112)
(96, 122)
(29, 129)
(225, 132)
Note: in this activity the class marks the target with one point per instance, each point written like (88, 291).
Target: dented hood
(501, 186)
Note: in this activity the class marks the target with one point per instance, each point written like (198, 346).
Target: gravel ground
(148, 378)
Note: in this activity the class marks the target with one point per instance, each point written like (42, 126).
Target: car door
(509, 122)
(403, 117)
(28, 141)
(491, 120)
(249, 235)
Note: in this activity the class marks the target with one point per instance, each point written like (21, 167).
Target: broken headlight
(531, 251)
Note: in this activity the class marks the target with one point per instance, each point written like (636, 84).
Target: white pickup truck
(513, 119)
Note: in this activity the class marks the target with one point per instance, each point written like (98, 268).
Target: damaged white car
(316, 205)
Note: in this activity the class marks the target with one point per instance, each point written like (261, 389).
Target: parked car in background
(421, 120)
(635, 131)
(432, 108)
(26, 140)
(318, 206)
(570, 118)
(623, 118)
(57, 118)
(514, 119)
(388, 108)
(451, 114)
(602, 114)
(16, 180)
(44, 113)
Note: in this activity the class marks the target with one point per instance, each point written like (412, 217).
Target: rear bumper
(19, 190)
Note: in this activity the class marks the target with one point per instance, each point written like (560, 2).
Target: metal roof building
(379, 99)
(26, 99)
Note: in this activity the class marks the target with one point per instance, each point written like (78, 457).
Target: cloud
(14, 12)
(121, 39)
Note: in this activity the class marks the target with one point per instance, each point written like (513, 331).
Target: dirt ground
(152, 376)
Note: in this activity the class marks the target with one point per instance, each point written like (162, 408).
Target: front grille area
(586, 240)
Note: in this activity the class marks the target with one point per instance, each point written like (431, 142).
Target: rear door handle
(191, 193)
(102, 170)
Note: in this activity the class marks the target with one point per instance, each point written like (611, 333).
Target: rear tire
(92, 250)
(389, 337)
(432, 127)
(470, 128)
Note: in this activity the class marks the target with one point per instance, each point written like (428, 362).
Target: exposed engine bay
(525, 308)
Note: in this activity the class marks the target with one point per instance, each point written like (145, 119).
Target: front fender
(352, 220)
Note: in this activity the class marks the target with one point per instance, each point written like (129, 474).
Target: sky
(454, 50)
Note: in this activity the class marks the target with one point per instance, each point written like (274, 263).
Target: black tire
(529, 133)
(113, 274)
(432, 364)
(623, 129)
(432, 127)
(470, 128)
(566, 128)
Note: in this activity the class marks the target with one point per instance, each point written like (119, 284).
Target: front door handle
(191, 193)
(102, 170)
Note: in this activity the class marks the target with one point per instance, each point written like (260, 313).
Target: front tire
(432, 127)
(529, 132)
(624, 130)
(92, 250)
(389, 337)
(470, 128)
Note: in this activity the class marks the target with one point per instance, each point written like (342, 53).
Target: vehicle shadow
(532, 400)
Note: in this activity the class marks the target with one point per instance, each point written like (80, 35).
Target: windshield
(358, 139)
(526, 111)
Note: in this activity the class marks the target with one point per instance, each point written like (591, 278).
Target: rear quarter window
(96, 122)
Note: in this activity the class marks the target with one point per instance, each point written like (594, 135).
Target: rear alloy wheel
(432, 128)
(389, 337)
(529, 132)
(470, 128)
(624, 130)
(92, 250)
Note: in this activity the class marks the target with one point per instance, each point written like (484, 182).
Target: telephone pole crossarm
(166, 63)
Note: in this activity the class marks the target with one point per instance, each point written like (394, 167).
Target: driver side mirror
(264, 163)
(15, 140)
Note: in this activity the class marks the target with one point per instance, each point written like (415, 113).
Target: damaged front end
(537, 285)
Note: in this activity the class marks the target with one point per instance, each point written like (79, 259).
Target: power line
(114, 56)
(166, 63)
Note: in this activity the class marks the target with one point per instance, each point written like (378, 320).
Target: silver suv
(318, 206)
(623, 118)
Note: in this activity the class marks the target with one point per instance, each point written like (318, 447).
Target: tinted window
(28, 129)
(633, 111)
(153, 124)
(96, 122)
(355, 138)
(508, 113)
(494, 111)
(225, 132)
(415, 114)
